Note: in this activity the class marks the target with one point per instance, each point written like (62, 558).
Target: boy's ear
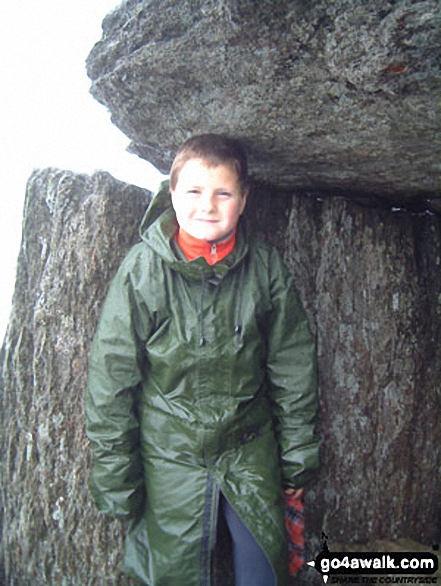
(245, 194)
(172, 199)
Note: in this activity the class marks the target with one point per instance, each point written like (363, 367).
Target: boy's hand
(297, 493)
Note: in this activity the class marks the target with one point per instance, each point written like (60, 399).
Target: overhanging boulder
(338, 96)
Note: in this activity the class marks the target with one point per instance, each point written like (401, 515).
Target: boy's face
(208, 201)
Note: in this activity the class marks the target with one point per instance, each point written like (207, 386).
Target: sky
(47, 116)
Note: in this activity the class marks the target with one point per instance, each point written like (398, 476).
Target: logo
(375, 567)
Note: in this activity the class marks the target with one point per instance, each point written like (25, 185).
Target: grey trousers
(251, 566)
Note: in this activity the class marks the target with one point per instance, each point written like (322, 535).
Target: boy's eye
(225, 193)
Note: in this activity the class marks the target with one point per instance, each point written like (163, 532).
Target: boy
(202, 385)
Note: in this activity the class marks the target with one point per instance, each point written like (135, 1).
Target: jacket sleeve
(112, 425)
(292, 373)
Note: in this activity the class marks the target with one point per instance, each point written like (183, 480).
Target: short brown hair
(215, 149)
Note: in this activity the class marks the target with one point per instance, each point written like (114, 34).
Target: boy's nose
(206, 201)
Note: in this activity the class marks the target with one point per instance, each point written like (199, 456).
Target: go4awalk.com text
(377, 568)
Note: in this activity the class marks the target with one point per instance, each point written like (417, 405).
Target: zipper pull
(213, 252)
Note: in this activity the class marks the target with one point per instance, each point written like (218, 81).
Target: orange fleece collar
(194, 248)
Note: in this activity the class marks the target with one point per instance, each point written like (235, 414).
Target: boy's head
(208, 185)
(214, 150)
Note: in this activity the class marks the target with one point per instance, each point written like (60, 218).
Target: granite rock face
(371, 285)
(76, 230)
(338, 96)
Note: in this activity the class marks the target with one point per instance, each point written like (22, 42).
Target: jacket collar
(212, 252)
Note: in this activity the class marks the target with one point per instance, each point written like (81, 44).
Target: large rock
(76, 230)
(370, 281)
(336, 96)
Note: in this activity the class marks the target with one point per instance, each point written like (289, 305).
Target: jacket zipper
(237, 321)
(201, 313)
(238, 310)
(209, 530)
(213, 252)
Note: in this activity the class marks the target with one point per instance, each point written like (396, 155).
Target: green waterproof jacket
(202, 380)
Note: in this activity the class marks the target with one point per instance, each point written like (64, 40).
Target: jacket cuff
(127, 504)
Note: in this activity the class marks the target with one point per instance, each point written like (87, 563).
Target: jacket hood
(159, 205)
(159, 226)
